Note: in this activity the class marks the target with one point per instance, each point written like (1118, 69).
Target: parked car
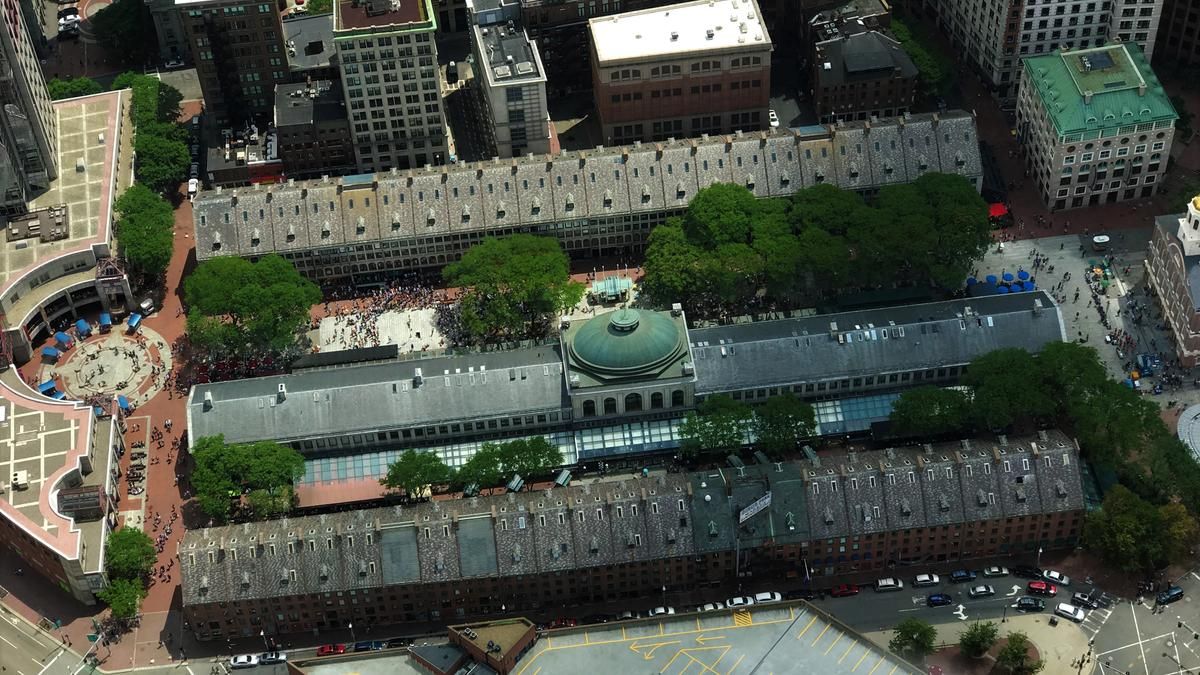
(172, 64)
(591, 619)
(564, 622)
(843, 590)
(68, 11)
(1054, 576)
(1042, 588)
(773, 118)
(1026, 572)
(1084, 600)
(1069, 611)
(662, 611)
(962, 576)
(801, 594)
(194, 170)
(981, 591)
(1170, 595)
(330, 650)
(939, 599)
(889, 584)
(739, 601)
(267, 658)
(767, 596)
(193, 186)
(628, 614)
(993, 572)
(1029, 604)
(927, 580)
(712, 606)
(243, 661)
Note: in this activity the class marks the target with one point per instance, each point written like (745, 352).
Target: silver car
(927, 580)
(981, 591)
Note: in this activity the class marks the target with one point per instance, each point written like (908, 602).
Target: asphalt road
(1137, 640)
(26, 651)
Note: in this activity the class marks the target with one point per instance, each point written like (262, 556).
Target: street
(1137, 640)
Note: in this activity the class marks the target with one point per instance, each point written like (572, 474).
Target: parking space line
(894, 669)
(860, 660)
(821, 634)
(810, 623)
(735, 664)
(847, 652)
(1137, 631)
(882, 658)
(835, 641)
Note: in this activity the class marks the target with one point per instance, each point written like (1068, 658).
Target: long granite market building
(850, 515)
(362, 230)
(615, 384)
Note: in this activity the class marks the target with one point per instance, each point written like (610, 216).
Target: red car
(1043, 588)
(843, 591)
(564, 622)
(330, 650)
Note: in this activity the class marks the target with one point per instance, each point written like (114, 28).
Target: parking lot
(783, 638)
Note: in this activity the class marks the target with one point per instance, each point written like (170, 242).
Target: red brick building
(681, 71)
(1173, 269)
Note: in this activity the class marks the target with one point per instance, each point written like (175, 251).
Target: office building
(1179, 34)
(509, 82)
(858, 74)
(311, 129)
(1095, 126)
(392, 87)
(681, 71)
(993, 36)
(237, 47)
(375, 228)
(1173, 270)
(28, 125)
(168, 29)
(310, 50)
(615, 384)
(842, 516)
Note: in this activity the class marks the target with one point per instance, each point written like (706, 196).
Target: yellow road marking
(821, 635)
(742, 618)
(847, 652)
(894, 669)
(539, 670)
(652, 647)
(860, 660)
(701, 639)
(688, 653)
(881, 660)
(735, 665)
(810, 623)
(837, 640)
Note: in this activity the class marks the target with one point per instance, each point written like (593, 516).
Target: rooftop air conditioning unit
(20, 480)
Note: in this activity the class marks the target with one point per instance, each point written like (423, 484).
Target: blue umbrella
(1008, 276)
(1029, 286)
(1002, 289)
(1022, 275)
(971, 281)
(991, 278)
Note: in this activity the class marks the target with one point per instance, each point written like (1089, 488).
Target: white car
(661, 611)
(981, 591)
(767, 597)
(1069, 611)
(173, 63)
(927, 580)
(739, 601)
(1056, 577)
(773, 119)
(993, 572)
(712, 606)
(888, 584)
(243, 661)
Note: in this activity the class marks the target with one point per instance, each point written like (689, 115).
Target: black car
(599, 618)
(68, 11)
(1026, 572)
(1085, 600)
(1170, 595)
(1030, 604)
(801, 594)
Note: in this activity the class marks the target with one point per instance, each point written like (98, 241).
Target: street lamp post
(1039, 557)
(350, 625)
(263, 634)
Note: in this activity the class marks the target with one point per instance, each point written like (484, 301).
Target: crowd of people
(356, 323)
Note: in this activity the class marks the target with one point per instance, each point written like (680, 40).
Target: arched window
(589, 408)
(677, 398)
(610, 406)
(656, 400)
(633, 402)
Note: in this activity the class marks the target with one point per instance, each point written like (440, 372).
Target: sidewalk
(1057, 645)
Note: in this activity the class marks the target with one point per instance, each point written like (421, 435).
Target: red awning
(997, 210)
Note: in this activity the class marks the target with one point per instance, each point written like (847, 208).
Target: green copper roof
(1098, 88)
(626, 343)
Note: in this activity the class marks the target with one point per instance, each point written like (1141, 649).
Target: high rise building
(1171, 271)
(168, 28)
(390, 79)
(1179, 34)
(28, 125)
(238, 49)
(994, 35)
(1095, 125)
(701, 67)
(510, 80)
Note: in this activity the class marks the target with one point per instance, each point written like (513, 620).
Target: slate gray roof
(421, 202)
(372, 397)
(866, 55)
(894, 339)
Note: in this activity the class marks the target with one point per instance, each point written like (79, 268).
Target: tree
(513, 285)
(913, 636)
(268, 503)
(224, 472)
(826, 257)
(720, 214)
(780, 253)
(161, 163)
(153, 100)
(718, 423)
(1126, 531)
(73, 87)
(319, 7)
(978, 638)
(124, 597)
(930, 411)
(828, 208)
(260, 304)
(1006, 390)
(485, 468)
(1180, 532)
(530, 456)
(126, 31)
(129, 554)
(674, 267)
(936, 70)
(1014, 656)
(413, 471)
(145, 229)
(783, 420)
(961, 231)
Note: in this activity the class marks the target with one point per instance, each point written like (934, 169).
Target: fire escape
(225, 63)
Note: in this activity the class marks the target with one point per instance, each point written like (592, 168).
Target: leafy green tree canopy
(124, 597)
(720, 214)
(223, 472)
(1003, 392)
(413, 471)
(513, 284)
(1132, 534)
(718, 423)
(978, 638)
(495, 463)
(125, 29)
(930, 411)
(129, 554)
(1014, 656)
(913, 636)
(145, 230)
(162, 163)
(782, 421)
(72, 87)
